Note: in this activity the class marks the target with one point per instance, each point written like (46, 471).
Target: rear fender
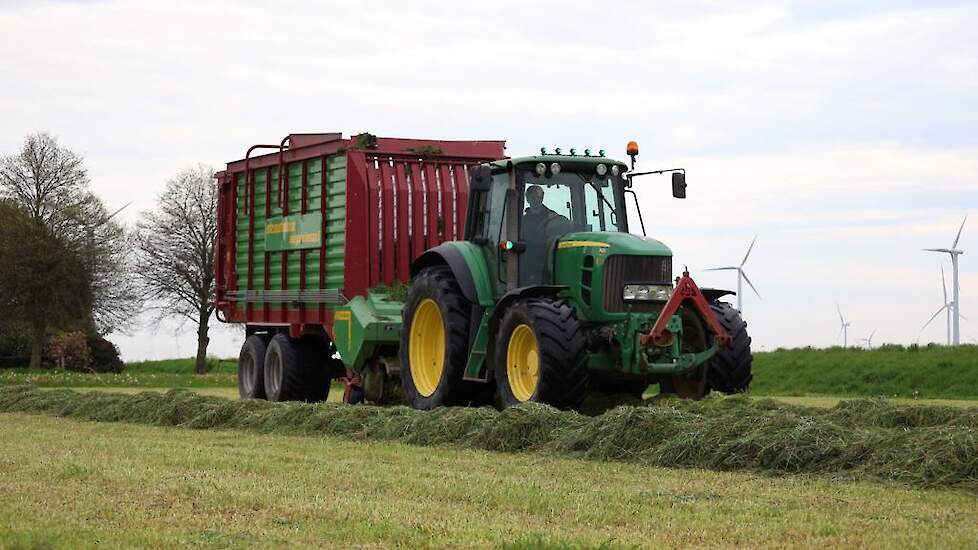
(468, 266)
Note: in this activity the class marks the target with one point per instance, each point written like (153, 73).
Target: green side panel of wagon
(289, 240)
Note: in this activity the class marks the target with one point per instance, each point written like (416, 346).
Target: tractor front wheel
(541, 355)
(434, 341)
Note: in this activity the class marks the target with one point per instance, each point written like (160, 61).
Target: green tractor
(549, 296)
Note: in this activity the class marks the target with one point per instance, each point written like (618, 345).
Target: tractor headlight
(555, 168)
(646, 293)
(614, 170)
(601, 169)
(541, 169)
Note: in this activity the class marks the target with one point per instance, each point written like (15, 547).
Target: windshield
(556, 205)
(570, 201)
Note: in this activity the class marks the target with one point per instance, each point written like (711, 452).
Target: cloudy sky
(844, 135)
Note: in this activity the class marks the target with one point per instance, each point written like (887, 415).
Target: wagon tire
(316, 366)
(251, 367)
(295, 370)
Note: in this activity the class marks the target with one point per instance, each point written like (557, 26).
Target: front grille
(619, 269)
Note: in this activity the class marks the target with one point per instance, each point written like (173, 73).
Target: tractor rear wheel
(251, 367)
(730, 369)
(435, 340)
(541, 355)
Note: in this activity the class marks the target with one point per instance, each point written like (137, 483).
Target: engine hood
(615, 243)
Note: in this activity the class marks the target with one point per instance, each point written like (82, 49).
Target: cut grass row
(336, 395)
(864, 439)
(80, 484)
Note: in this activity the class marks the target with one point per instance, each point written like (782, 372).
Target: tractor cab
(525, 208)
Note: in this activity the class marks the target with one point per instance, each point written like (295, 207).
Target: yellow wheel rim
(427, 347)
(523, 362)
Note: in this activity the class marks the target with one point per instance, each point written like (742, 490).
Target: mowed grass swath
(867, 439)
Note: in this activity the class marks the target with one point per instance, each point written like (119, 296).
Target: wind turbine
(869, 341)
(741, 276)
(844, 331)
(947, 307)
(955, 290)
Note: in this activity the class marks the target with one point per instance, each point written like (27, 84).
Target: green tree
(45, 284)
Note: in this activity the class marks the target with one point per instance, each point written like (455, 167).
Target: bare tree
(175, 247)
(48, 181)
(106, 247)
(50, 185)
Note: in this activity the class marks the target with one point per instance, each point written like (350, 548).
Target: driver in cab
(539, 226)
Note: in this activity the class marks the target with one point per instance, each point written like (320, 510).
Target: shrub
(69, 350)
(15, 344)
(104, 354)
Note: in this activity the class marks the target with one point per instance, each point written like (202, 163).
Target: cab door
(490, 224)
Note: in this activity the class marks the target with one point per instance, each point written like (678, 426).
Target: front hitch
(686, 290)
(667, 332)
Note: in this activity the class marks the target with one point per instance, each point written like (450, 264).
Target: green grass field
(78, 484)
(181, 366)
(933, 372)
(168, 373)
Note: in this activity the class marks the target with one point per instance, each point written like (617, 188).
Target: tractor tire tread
(564, 375)
(729, 371)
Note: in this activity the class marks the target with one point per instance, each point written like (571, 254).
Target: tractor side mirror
(481, 177)
(679, 185)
